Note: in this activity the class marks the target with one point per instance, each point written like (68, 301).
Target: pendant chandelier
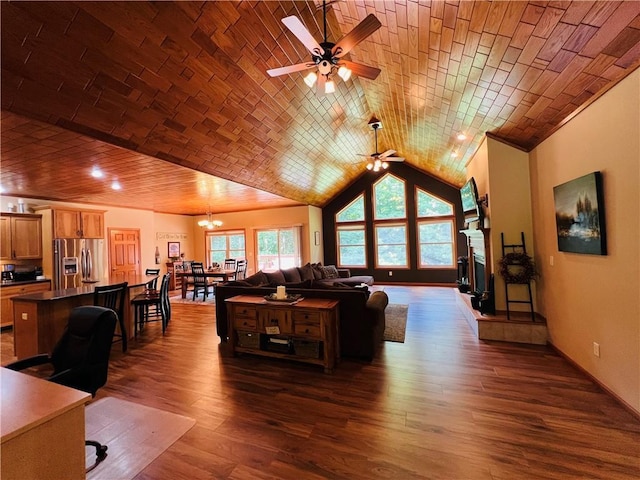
(209, 224)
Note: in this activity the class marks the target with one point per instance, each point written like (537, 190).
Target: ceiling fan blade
(387, 153)
(361, 31)
(394, 159)
(361, 70)
(300, 31)
(275, 72)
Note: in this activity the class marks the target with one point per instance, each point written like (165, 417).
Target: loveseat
(362, 318)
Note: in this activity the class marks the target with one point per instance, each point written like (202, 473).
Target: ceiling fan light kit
(379, 161)
(326, 57)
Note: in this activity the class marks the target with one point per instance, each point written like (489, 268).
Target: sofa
(362, 318)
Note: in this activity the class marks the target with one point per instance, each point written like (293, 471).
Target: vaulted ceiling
(172, 99)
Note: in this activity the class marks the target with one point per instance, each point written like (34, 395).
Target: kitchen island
(40, 318)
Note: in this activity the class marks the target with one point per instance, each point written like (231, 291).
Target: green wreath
(525, 271)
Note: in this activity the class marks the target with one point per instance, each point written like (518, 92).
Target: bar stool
(112, 296)
(159, 300)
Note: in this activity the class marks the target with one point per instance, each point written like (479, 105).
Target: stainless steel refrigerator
(77, 262)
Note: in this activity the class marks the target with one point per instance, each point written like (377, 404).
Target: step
(519, 329)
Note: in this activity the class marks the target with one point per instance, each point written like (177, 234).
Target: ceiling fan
(379, 161)
(327, 57)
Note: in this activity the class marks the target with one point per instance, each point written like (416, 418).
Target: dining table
(222, 274)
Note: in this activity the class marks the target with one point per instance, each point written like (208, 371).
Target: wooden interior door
(124, 253)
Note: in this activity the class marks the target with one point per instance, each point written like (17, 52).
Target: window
(350, 235)
(389, 199)
(391, 245)
(278, 248)
(436, 223)
(221, 245)
(351, 246)
(390, 203)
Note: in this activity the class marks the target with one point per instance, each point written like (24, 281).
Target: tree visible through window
(390, 203)
(278, 248)
(221, 245)
(435, 231)
(350, 234)
(389, 198)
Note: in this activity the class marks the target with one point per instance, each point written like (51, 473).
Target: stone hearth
(519, 328)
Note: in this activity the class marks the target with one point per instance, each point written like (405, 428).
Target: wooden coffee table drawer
(244, 323)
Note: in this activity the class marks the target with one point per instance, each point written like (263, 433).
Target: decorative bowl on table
(272, 297)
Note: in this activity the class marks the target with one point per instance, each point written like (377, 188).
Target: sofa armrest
(344, 272)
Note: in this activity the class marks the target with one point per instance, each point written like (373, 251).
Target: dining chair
(160, 300)
(241, 270)
(200, 282)
(230, 264)
(112, 296)
(152, 286)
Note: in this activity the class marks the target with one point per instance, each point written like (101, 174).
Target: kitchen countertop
(133, 280)
(11, 283)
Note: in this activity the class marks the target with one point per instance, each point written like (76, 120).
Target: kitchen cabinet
(8, 291)
(76, 223)
(21, 236)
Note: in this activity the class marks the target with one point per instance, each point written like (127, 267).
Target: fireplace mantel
(478, 243)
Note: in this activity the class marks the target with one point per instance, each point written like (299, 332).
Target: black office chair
(112, 296)
(80, 359)
(159, 300)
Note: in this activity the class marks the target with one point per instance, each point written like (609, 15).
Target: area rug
(395, 322)
(211, 299)
(135, 435)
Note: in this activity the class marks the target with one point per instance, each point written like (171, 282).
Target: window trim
(357, 226)
(389, 223)
(207, 244)
(362, 224)
(297, 235)
(373, 199)
(438, 219)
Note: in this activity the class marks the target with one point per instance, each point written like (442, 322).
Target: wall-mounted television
(470, 203)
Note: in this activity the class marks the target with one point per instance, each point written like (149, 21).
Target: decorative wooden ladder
(514, 249)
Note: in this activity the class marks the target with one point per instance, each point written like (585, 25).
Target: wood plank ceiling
(172, 98)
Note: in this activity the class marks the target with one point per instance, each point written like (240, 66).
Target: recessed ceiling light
(454, 154)
(461, 136)
(96, 173)
(116, 185)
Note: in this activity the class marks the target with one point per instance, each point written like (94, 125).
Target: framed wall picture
(580, 222)
(174, 249)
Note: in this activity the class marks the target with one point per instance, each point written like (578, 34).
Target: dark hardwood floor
(442, 405)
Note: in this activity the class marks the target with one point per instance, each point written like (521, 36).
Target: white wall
(591, 298)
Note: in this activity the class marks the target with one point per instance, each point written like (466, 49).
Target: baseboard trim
(610, 392)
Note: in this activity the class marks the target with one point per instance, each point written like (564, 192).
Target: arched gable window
(351, 236)
(390, 222)
(436, 224)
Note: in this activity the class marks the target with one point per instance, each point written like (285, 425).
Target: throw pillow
(275, 278)
(292, 275)
(257, 279)
(330, 271)
(306, 272)
(317, 271)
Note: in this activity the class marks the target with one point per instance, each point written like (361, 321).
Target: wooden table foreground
(42, 428)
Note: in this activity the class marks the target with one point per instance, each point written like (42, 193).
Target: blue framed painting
(580, 223)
